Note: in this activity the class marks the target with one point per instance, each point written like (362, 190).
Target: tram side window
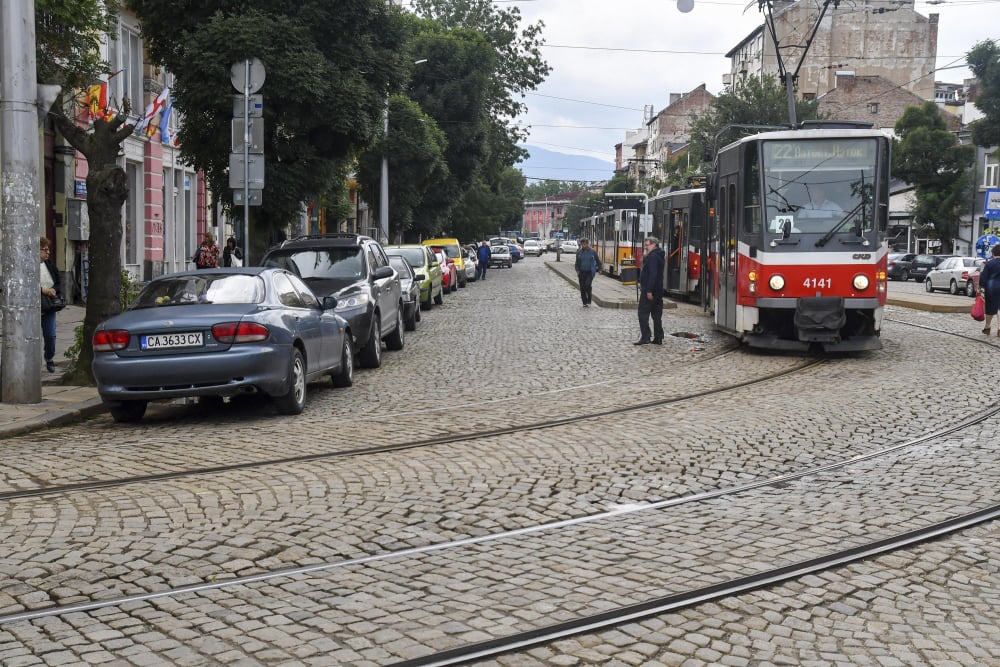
(733, 207)
(751, 192)
(723, 231)
(883, 192)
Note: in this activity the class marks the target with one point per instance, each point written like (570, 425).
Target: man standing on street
(651, 297)
(483, 255)
(587, 265)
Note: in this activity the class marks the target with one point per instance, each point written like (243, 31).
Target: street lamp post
(383, 210)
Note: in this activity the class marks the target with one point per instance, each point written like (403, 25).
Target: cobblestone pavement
(520, 348)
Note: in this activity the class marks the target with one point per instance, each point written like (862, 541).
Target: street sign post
(247, 77)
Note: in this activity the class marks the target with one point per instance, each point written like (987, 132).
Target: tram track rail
(690, 598)
(605, 619)
(94, 485)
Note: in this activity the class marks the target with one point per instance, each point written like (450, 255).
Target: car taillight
(111, 340)
(240, 332)
(965, 275)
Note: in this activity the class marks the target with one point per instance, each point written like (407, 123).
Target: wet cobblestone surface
(519, 349)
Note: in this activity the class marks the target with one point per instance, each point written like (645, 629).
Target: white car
(500, 257)
(569, 245)
(533, 247)
(954, 274)
(470, 263)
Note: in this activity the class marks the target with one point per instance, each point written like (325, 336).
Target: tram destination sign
(821, 154)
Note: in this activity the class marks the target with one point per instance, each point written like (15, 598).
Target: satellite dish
(685, 5)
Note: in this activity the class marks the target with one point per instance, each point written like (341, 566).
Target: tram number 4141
(821, 283)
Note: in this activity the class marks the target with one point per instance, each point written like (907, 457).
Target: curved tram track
(870, 544)
(585, 622)
(95, 484)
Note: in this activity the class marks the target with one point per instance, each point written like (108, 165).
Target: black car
(355, 270)
(923, 263)
(411, 291)
(899, 265)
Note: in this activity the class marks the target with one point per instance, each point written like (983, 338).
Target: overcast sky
(610, 58)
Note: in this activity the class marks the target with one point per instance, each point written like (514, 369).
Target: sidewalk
(60, 404)
(608, 292)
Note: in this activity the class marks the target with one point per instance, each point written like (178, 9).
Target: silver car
(954, 274)
(221, 332)
(471, 263)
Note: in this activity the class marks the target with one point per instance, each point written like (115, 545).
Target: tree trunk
(107, 190)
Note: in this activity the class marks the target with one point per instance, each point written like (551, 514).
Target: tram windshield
(819, 186)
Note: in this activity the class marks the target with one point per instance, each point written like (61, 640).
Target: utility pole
(20, 302)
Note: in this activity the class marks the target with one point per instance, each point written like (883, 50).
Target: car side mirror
(383, 272)
(329, 302)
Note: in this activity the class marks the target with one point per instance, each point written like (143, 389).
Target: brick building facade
(873, 99)
(885, 38)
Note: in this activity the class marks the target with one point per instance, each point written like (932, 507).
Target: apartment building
(884, 38)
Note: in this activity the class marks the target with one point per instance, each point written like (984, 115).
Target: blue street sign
(992, 204)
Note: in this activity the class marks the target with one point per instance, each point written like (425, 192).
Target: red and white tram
(797, 254)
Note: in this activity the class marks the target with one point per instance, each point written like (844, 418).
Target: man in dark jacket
(483, 256)
(651, 296)
(587, 265)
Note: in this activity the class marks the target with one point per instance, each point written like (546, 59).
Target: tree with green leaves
(415, 153)
(329, 67)
(548, 188)
(487, 207)
(930, 158)
(451, 87)
(513, 67)
(68, 38)
(518, 67)
(984, 61)
(755, 100)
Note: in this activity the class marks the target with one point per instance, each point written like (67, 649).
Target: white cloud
(636, 71)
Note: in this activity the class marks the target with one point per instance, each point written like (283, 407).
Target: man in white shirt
(818, 206)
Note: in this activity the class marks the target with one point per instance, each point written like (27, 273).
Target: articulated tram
(680, 221)
(613, 236)
(797, 225)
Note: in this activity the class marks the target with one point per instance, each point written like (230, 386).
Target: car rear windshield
(414, 256)
(323, 263)
(401, 265)
(203, 288)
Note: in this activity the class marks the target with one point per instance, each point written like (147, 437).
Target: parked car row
(955, 274)
(317, 306)
(903, 266)
(937, 272)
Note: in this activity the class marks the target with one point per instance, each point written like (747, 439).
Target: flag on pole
(165, 120)
(96, 100)
(153, 108)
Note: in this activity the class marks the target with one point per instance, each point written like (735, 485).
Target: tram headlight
(861, 282)
(776, 282)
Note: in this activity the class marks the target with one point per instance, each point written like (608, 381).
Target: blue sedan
(221, 332)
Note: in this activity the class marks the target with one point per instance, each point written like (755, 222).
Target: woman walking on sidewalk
(989, 287)
(51, 302)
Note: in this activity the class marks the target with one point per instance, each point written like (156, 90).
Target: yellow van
(453, 249)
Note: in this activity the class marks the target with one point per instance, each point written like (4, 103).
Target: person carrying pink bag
(989, 288)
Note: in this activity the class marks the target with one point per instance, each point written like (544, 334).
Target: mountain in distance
(551, 165)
